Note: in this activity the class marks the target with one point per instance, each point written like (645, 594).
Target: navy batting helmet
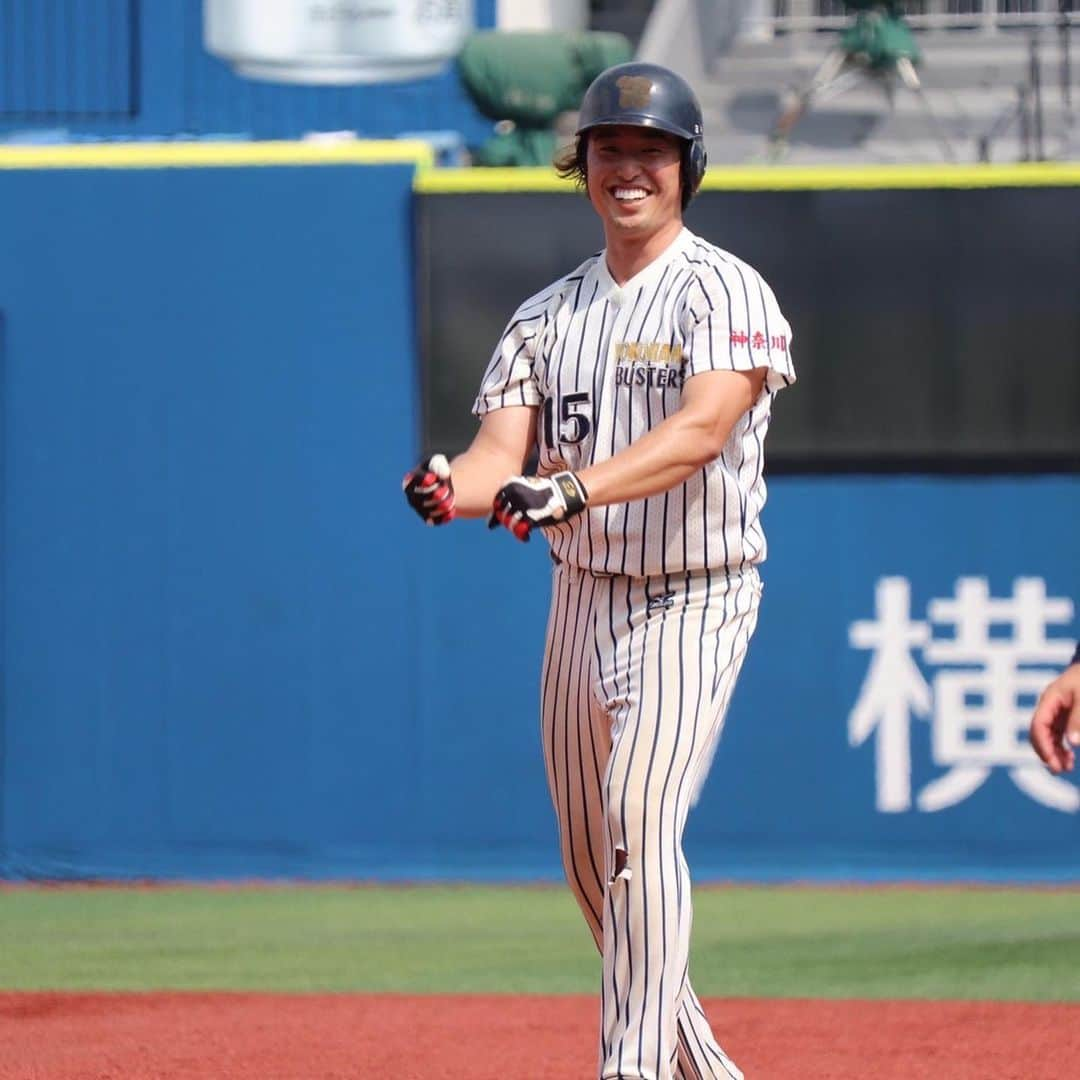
(648, 95)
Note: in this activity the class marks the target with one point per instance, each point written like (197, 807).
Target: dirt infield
(101, 1036)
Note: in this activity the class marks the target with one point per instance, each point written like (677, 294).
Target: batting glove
(430, 490)
(530, 502)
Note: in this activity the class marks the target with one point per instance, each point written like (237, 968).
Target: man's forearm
(478, 474)
(497, 452)
(660, 460)
(677, 447)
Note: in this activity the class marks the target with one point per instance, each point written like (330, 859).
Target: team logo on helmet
(634, 91)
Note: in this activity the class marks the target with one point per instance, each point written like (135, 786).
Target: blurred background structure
(244, 284)
(999, 77)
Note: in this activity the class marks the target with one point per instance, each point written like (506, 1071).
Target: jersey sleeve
(510, 378)
(733, 323)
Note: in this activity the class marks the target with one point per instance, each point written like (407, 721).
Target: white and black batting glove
(430, 490)
(533, 502)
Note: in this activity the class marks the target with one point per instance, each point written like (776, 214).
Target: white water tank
(336, 42)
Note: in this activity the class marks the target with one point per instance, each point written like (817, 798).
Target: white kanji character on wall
(893, 689)
(996, 657)
(981, 709)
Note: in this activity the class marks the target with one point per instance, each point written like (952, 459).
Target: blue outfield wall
(230, 650)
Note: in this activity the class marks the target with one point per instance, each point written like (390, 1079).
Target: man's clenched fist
(430, 490)
(525, 503)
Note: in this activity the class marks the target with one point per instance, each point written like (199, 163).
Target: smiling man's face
(634, 179)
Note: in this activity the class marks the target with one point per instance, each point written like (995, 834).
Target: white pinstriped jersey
(606, 363)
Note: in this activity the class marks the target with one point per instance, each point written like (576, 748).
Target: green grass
(1010, 944)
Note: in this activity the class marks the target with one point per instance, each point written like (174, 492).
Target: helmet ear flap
(694, 160)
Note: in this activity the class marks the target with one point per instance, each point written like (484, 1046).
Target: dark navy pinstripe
(643, 503)
(614, 443)
(566, 814)
(583, 691)
(679, 712)
(629, 992)
(596, 390)
(645, 862)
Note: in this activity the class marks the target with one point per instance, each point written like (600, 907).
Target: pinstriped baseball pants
(637, 677)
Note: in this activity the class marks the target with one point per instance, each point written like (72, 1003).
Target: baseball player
(644, 381)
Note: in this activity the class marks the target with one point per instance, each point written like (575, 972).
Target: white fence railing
(986, 16)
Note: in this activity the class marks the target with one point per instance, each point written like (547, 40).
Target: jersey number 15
(575, 419)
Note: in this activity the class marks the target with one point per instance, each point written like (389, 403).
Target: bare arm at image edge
(1055, 724)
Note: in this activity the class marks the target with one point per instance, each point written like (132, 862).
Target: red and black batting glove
(525, 503)
(430, 490)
